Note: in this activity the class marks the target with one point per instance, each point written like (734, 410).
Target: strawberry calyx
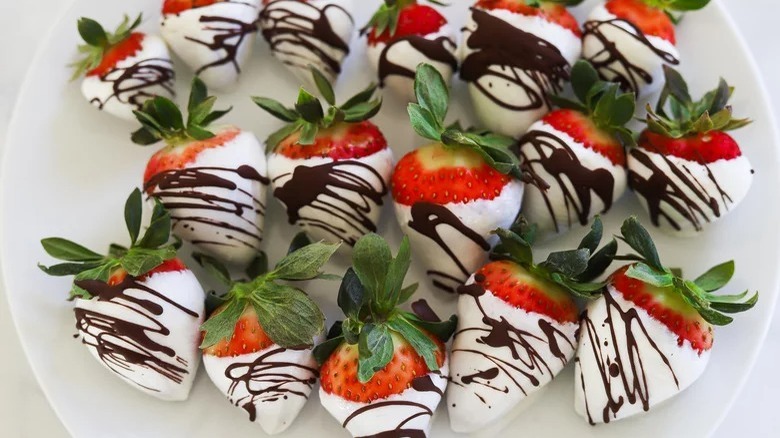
(285, 314)
(370, 293)
(601, 101)
(145, 254)
(99, 43)
(427, 118)
(673, 8)
(698, 294)
(551, 10)
(384, 24)
(687, 117)
(162, 120)
(572, 270)
(308, 116)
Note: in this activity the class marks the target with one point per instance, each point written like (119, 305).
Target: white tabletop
(24, 411)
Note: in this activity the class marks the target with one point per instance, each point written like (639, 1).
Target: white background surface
(24, 411)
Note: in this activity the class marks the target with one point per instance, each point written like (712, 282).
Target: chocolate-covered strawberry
(687, 170)
(257, 345)
(304, 33)
(122, 70)
(401, 35)
(329, 167)
(574, 156)
(138, 308)
(629, 41)
(518, 324)
(383, 370)
(649, 336)
(514, 53)
(449, 195)
(213, 37)
(210, 177)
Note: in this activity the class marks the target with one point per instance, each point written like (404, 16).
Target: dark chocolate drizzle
(438, 50)
(133, 85)
(281, 26)
(616, 66)
(612, 364)
(426, 218)
(268, 380)
(122, 344)
(671, 187)
(563, 165)
(527, 361)
(184, 190)
(420, 384)
(497, 43)
(318, 188)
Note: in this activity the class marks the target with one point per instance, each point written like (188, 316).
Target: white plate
(68, 169)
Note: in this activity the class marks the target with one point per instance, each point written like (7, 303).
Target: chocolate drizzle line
(521, 57)
(268, 380)
(527, 361)
(122, 344)
(437, 50)
(132, 85)
(575, 181)
(282, 26)
(610, 59)
(191, 190)
(321, 188)
(426, 218)
(420, 384)
(672, 187)
(230, 33)
(612, 364)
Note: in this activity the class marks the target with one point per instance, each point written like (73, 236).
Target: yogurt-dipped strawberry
(449, 195)
(138, 308)
(383, 370)
(649, 337)
(213, 37)
(630, 41)
(304, 33)
(574, 156)
(517, 325)
(687, 170)
(257, 345)
(122, 70)
(401, 35)
(211, 178)
(514, 53)
(330, 168)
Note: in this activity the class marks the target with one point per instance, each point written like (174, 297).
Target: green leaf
(567, 263)
(422, 344)
(432, 92)
(277, 137)
(717, 277)
(214, 267)
(599, 262)
(159, 231)
(371, 258)
(289, 317)
(513, 247)
(362, 111)
(198, 94)
(442, 329)
(168, 114)
(139, 261)
(201, 110)
(305, 263)
(308, 134)
(276, 109)
(736, 307)
(687, 5)
(67, 269)
(583, 78)
(396, 272)
(258, 266)
(646, 274)
(424, 122)
(676, 85)
(637, 237)
(351, 294)
(299, 241)
(145, 137)
(592, 240)
(63, 249)
(199, 133)
(361, 97)
(309, 107)
(407, 293)
(133, 213)
(376, 350)
(323, 85)
(92, 32)
(222, 324)
(335, 338)
(214, 116)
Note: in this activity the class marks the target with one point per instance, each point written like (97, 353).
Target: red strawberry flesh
(414, 19)
(179, 6)
(651, 21)
(552, 12)
(117, 53)
(172, 265)
(584, 131)
(248, 336)
(342, 141)
(702, 148)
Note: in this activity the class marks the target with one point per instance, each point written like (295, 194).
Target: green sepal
(375, 347)
(334, 338)
(98, 42)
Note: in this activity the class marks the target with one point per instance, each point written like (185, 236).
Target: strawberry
(383, 370)
(687, 171)
(518, 324)
(214, 38)
(451, 194)
(514, 54)
(630, 41)
(253, 351)
(304, 33)
(575, 156)
(329, 168)
(212, 179)
(138, 308)
(122, 70)
(649, 336)
(403, 34)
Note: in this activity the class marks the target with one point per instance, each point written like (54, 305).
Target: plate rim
(767, 107)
